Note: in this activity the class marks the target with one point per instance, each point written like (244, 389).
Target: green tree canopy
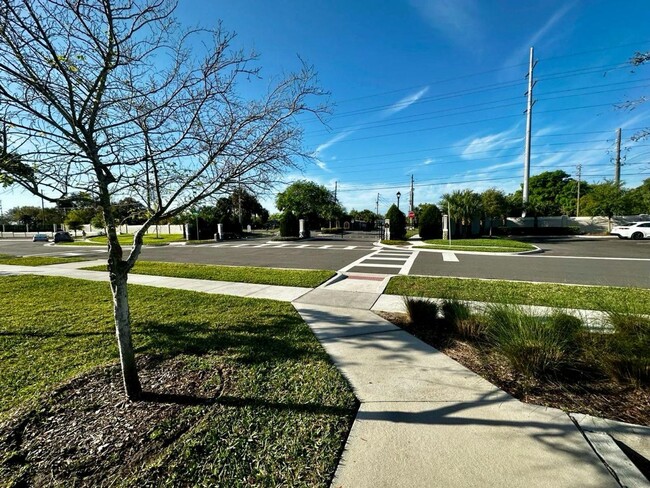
(605, 199)
(638, 199)
(251, 209)
(364, 215)
(25, 215)
(310, 201)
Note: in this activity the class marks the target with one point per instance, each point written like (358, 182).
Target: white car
(634, 230)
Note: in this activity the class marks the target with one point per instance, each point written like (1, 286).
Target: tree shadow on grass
(252, 343)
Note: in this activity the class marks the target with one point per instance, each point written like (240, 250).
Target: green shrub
(289, 226)
(421, 311)
(397, 223)
(430, 223)
(534, 345)
(626, 353)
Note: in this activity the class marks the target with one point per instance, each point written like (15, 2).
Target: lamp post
(398, 195)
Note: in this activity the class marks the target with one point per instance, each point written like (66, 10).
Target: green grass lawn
(149, 239)
(37, 260)
(483, 245)
(309, 278)
(635, 300)
(285, 412)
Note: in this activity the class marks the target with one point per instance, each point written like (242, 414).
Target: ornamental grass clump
(625, 353)
(534, 345)
(421, 311)
(460, 318)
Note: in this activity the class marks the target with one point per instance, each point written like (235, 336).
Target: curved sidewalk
(427, 421)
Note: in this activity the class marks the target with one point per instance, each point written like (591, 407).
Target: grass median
(516, 292)
(309, 278)
(476, 245)
(148, 239)
(37, 260)
(481, 245)
(278, 414)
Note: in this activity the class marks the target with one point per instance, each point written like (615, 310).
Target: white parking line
(449, 257)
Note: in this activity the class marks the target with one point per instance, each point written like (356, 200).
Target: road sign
(411, 215)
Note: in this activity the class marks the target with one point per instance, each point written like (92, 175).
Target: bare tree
(112, 97)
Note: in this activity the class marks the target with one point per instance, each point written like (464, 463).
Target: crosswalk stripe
(449, 257)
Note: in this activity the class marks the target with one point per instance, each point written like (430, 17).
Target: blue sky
(436, 89)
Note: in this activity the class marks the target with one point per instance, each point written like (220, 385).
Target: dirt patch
(86, 433)
(572, 391)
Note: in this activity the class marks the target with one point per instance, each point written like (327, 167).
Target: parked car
(634, 230)
(40, 238)
(63, 236)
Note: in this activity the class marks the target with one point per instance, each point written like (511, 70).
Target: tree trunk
(123, 332)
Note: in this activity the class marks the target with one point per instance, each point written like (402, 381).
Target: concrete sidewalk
(424, 420)
(250, 290)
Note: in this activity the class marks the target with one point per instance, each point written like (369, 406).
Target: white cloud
(337, 138)
(542, 32)
(427, 161)
(405, 102)
(458, 20)
(393, 109)
(548, 130)
(322, 165)
(511, 164)
(500, 140)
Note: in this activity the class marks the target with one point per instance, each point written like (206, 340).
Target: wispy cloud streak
(405, 102)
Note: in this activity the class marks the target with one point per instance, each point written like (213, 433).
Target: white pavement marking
(395, 266)
(324, 247)
(406, 269)
(382, 258)
(350, 247)
(449, 257)
(580, 257)
(358, 261)
(302, 246)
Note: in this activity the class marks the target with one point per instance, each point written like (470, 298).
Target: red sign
(411, 215)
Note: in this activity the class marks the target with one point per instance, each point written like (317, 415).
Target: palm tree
(463, 205)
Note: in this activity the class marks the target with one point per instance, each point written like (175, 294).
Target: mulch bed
(86, 433)
(572, 391)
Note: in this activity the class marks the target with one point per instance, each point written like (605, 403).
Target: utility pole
(377, 203)
(578, 200)
(336, 188)
(529, 122)
(617, 170)
(411, 201)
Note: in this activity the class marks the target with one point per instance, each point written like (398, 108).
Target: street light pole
(398, 195)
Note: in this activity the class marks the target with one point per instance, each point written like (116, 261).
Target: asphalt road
(594, 261)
